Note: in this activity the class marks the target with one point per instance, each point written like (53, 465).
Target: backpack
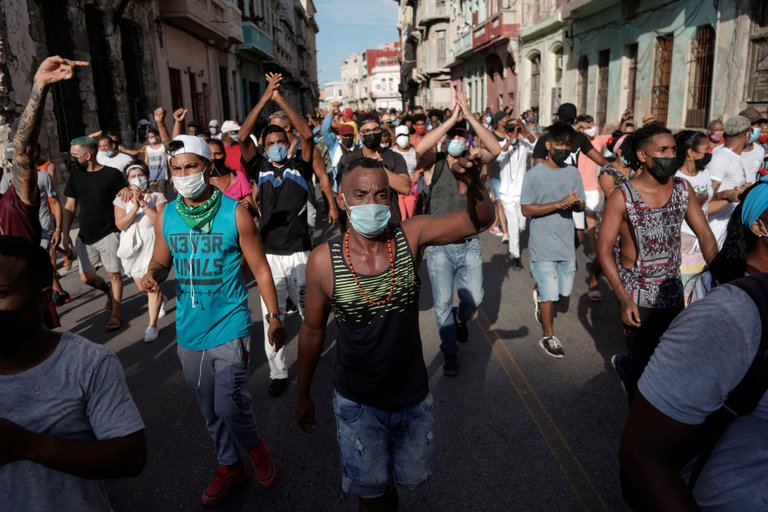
(741, 401)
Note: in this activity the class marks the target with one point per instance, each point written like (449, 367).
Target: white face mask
(402, 141)
(140, 182)
(191, 186)
(591, 132)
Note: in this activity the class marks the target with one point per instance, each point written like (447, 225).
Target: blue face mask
(457, 147)
(607, 153)
(277, 153)
(624, 161)
(755, 135)
(233, 137)
(370, 220)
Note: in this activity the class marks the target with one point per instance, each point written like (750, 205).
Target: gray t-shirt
(703, 355)
(552, 235)
(46, 189)
(78, 393)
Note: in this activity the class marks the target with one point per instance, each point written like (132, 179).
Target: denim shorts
(380, 448)
(553, 279)
(495, 187)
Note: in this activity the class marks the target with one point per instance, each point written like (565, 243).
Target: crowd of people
(672, 221)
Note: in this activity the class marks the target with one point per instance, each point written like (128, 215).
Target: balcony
(256, 42)
(209, 20)
(493, 32)
(430, 13)
(462, 46)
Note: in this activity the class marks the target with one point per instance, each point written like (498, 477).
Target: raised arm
(51, 70)
(246, 128)
(178, 121)
(491, 149)
(165, 137)
(426, 147)
(301, 126)
(476, 217)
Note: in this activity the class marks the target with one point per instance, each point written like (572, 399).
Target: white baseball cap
(401, 130)
(182, 144)
(230, 126)
(213, 122)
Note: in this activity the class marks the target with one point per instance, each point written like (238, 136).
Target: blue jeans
(380, 448)
(458, 264)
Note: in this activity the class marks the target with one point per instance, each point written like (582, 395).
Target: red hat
(348, 112)
(346, 129)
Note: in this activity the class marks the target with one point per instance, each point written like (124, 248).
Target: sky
(349, 26)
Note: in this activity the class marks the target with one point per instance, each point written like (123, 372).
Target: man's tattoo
(26, 135)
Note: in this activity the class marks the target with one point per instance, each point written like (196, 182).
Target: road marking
(575, 474)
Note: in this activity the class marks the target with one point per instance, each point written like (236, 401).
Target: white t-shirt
(158, 163)
(752, 160)
(409, 155)
(727, 168)
(120, 161)
(702, 187)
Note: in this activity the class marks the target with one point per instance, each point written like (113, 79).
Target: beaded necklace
(357, 280)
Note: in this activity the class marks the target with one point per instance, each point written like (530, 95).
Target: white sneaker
(504, 238)
(162, 312)
(536, 310)
(151, 334)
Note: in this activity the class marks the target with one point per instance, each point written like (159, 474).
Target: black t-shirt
(283, 193)
(581, 144)
(95, 192)
(393, 162)
(494, 168)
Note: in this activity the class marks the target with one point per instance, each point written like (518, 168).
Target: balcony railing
(256, 41)
(211, 20)
(462, 45)
(430, 12)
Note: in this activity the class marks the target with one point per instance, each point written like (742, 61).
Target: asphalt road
(516, 431)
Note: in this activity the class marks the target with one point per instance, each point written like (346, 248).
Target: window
(602, 87)
(535, 76)
(441, 53)
(700, 77)
(583, 83)
(631, 75)
(662, 75)
(177, 97)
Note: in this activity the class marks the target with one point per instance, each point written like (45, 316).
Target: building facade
(331, 92)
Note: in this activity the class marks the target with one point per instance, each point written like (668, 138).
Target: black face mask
(372, 140)
(347, 142)
(702, 162)
(219, 167)
(663, 167)
(559, 156)
(14, 325)
(75, 164)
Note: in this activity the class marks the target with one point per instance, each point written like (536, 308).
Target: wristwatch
(277, 315)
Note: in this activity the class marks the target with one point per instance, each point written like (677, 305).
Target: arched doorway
(494, 72)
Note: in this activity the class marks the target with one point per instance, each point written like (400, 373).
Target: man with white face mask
(457, 265)
(205, 235)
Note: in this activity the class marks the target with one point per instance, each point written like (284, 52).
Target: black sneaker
(277, 387)
(552, 346)
(516, 264)
(451, 365)
(61, 298)
(290, 307)
(462, 333)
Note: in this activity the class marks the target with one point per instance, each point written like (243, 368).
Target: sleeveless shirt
(211, 296)
(379, 358)
(654, 281)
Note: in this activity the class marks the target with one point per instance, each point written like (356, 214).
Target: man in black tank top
(368, 276)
